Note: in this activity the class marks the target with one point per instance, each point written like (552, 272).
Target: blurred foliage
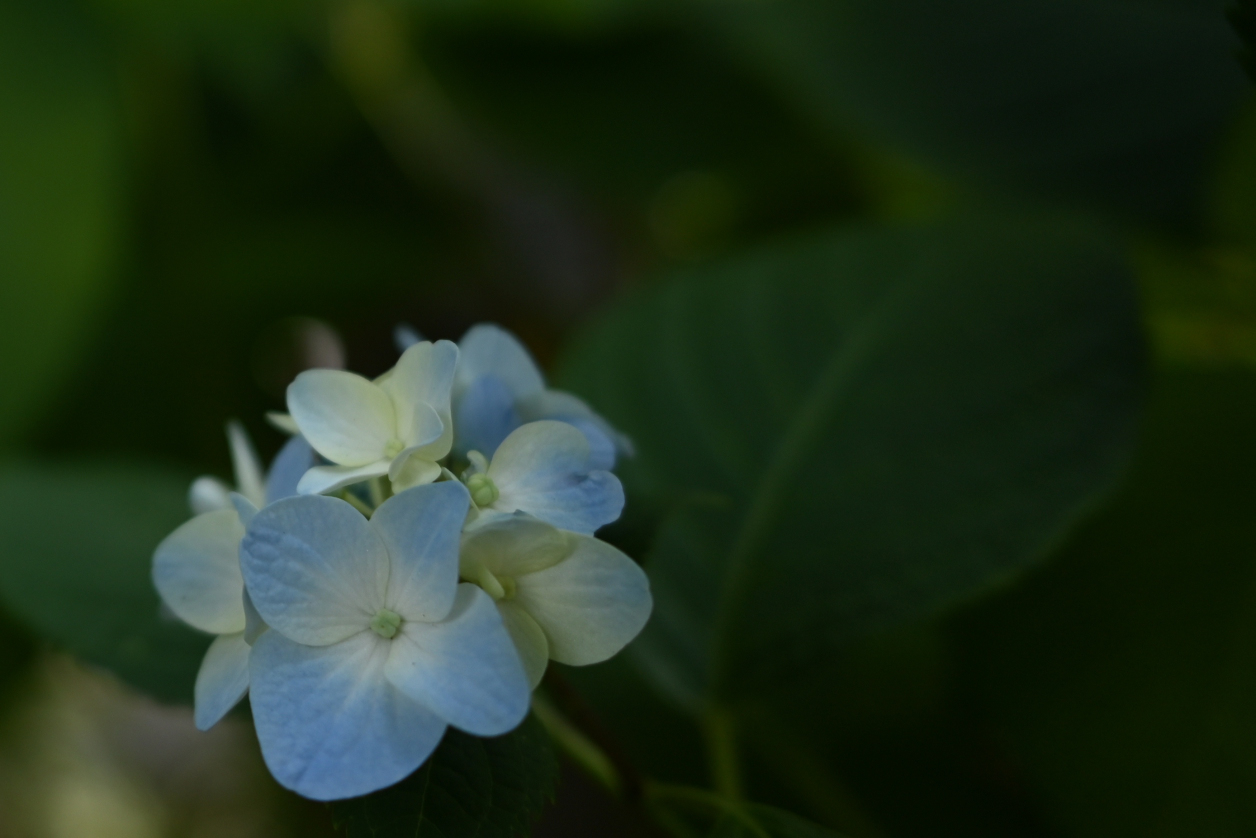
(859, 279)
(889, 398)
(77, 543)
(494, 788)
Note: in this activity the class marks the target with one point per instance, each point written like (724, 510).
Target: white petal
(248, 468)
(590, 604)
(347, 419)
(512, 545)
(421, 528)
(405, 336)
(419, 384)
(281, 421)
(329, 722)
(543, 469)
(413, 470)
(323, 479)
(315, 569)
(222, 680)
(208, 494)
(464, 669)
(289, 466)
(529, 640)
(491, 350)
(197, 572)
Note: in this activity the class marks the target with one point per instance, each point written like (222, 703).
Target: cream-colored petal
(512, 545)
(323, 479)
(412, 469)
(346, 418)
(529, 640)
(421, 384)
(590, 605)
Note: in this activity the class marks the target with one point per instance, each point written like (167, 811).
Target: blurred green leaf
(1123, 675)
(1242, 15)
(1118, 101)
(469, 788)
(757, 821)
(76, 546)
(854, 431)
(60, 197)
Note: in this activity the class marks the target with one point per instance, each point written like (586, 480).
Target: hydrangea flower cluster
(417, 554)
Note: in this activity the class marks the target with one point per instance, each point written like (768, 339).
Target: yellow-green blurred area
(200, 198)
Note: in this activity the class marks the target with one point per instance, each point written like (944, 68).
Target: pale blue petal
(543, 469)
(290, 464)
(557, 404)
(421, 529)
(601, 447)
(590, 605)
(330, 724)
(466, 669)
(488, 349)
(315, 569)
(244, 508)
(484, 416)
(254, 625)
(197, 572)
(222, 680)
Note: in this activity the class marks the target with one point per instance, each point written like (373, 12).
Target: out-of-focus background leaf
(848, 433)
(495, 788)
(77, 544)
(62, 203)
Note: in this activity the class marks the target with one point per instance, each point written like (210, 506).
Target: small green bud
(394, 447)
(386, 623)
(483, 490)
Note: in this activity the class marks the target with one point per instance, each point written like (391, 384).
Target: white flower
(374, 646)
(397, 425)
(499, 387)
(293, 460)
(562, 596)
(196, 569)
(209, 493)
(545, 469)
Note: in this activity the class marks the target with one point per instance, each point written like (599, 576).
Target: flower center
(386, 623)
(394, 447)
(483, 490)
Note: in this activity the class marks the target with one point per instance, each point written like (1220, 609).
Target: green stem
(725, 766)
(357, 503)
(701, 798)
(580, 748)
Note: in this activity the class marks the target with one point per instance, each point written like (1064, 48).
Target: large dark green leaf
(854, 431)
(76, 547)
(469, 788)
(1123, 675)
(60, 201)
(1118, 100)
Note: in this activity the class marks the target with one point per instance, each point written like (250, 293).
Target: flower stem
(721, 739)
